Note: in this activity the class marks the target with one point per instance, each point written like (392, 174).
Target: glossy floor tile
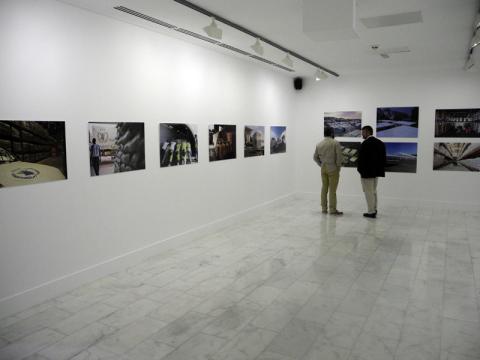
(289, 283)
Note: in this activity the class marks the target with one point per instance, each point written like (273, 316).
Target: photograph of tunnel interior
(456, 157)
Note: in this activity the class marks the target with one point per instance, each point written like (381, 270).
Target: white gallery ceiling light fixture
(257, 46)
(213, 30)
(473, 58)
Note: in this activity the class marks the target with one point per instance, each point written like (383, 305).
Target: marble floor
(288, 283)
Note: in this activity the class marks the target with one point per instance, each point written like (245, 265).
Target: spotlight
(320, 75)
(470, 64)
(287, 60)
(476, 25)
(475, 40)
(213, 30)
(257, 47)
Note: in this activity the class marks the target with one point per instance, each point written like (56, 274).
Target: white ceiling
(440, 41)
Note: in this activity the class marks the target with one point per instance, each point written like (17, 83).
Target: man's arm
(316, 157)
(338, 155)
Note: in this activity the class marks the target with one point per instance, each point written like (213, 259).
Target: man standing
(95, 156)
(328, 155)
(371, 165)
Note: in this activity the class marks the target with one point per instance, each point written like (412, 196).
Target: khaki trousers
(369, 187)
(329, 187)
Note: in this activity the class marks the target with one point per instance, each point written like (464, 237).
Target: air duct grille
(145, 17)
(197, 36)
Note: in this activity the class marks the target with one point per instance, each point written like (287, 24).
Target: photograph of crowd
(116, 147)
(178, 144)
(222, 142)
(32, 152)
(397, 122)
(401, 157)
(254, 141)
(350, 152)
(344, 123)
(457, 123)
(456, 156)
(278, 139)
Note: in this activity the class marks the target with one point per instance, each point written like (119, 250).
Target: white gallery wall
(61, 63)
(429, 90)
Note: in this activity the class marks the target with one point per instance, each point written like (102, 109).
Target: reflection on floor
(290, 283)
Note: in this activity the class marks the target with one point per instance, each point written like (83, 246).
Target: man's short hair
(368, 129)
(328, 131)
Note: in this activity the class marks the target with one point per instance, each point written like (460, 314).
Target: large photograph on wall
(344, 123)
(178, 144)
(397, 122)
(254, 141)
(116, 147)
(222, 142)
(278, 139)
(32, 152)
(350, 152)
(456, 156)
(401, 157)
(457, 123)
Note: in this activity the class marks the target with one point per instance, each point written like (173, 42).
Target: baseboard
(452, 205)
(23, 300)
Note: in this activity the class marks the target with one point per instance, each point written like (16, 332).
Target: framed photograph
(344, 123)
(32, 152)
(397, 122)
(401, 157)
(222, 142)
(454, 123)
(278, 139)
(254, 141)
(116, 147)
(350, 152)
(456, 156)
(178, 144)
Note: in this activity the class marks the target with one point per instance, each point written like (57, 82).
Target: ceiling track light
(213, 30)
(474, 49)
(476, 25)
(253, 34)
(320, 75)
(257, 47)
(287, 60)
(475, 40)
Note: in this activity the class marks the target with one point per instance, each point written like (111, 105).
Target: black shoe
(372, 215)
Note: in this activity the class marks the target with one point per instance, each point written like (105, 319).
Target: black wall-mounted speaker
(298, 83)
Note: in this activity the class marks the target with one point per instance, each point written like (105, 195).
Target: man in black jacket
(371, 165)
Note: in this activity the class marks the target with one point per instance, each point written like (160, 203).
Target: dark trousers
(96, 165)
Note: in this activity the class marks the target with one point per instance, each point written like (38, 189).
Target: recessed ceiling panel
(392, 20)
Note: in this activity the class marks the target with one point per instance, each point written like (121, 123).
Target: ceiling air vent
(145, 17)
(197, 36)
(232, 48)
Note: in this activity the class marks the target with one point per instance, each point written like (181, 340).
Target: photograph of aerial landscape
(344, 123)
(397, 122)
(401, 157)
(350, 152)
(456, 156)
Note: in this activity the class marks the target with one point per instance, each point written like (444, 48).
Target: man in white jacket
(328, 155)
